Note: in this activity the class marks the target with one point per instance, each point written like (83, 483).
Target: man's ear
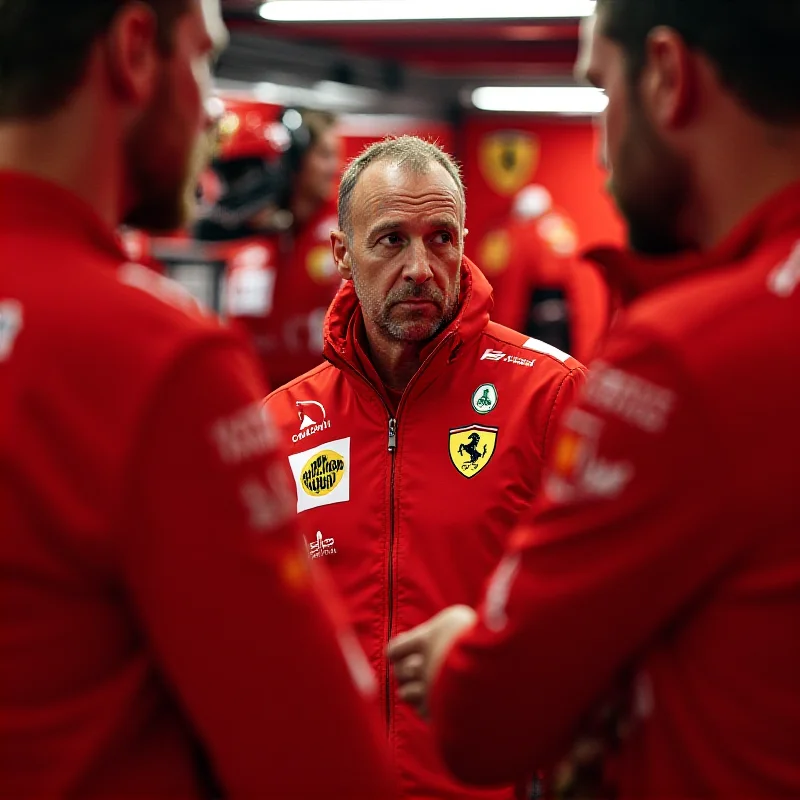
(132, 54)
(669, 85)
(341, 254)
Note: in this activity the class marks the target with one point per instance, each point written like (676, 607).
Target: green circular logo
(484, 398)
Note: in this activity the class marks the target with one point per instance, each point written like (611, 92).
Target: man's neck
(729, 187)
(70, 152)
(395, 362)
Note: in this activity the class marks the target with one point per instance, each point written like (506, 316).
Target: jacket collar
(344, 320)
(630, 275)
(29, 203)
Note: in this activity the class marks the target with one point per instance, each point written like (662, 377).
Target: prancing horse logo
(472, 451)
(471, 448)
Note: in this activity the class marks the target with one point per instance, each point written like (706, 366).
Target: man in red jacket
(661, 570)
(416, 448)
(150, 570)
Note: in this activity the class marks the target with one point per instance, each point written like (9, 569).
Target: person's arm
(220, 582)
(626, 537)
(565, 398)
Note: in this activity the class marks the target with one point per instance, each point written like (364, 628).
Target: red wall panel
(558, 155)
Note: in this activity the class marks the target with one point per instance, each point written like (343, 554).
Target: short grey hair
(409, 152)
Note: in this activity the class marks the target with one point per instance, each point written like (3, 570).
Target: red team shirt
(666, 548)
(153, 591)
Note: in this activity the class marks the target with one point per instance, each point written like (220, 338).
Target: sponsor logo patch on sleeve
(630, 398)
(247, 433)
(578, 470)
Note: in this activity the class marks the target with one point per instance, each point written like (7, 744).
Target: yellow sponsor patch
(471, 448)
(322, 473)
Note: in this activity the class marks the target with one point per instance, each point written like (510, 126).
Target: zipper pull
(392, 435)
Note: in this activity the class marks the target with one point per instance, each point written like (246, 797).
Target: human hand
(417, 654)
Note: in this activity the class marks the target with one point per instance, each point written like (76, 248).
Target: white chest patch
(322, 474)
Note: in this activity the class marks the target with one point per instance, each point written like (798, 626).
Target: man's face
(405, 249)
(321, 169)
(164, 145)
(647, 179)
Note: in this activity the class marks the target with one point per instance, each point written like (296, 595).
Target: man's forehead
(212, 15)
(386, 181)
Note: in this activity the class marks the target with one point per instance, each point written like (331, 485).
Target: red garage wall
(502, 154)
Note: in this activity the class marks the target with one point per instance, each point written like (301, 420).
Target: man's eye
(391, 239)
(443, 237)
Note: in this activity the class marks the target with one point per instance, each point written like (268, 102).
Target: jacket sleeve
(625, 537)
(221, 584)
(567, 395)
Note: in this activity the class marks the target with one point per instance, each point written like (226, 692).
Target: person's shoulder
(150, 312)
(317, 381)
(744, 312)
(122, 317)
(300, 408)
(509, 347)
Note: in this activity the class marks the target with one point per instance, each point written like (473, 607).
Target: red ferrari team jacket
(278, 288)
(409, 507)
(155, 596)
(665, 551)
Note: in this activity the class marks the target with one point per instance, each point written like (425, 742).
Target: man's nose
(417, 267)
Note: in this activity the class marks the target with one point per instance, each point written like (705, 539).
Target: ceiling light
(397, 10)
(540, 99)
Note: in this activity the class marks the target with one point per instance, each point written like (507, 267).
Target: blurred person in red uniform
(541, 286)
(420, 442)
(280, 275)
(156, 600)
(663, 562)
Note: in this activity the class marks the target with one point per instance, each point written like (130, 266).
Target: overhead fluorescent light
(399, 10)
(327, 95)
(540, 99)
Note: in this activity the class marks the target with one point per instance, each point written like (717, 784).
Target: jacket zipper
(392, 448)
(388, 673)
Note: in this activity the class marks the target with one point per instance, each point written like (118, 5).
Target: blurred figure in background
(279, 215)
(156, 600)
(541, 286)
(660, 576)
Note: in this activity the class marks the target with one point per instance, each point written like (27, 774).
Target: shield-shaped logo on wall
(508, 160)
(495, 252)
